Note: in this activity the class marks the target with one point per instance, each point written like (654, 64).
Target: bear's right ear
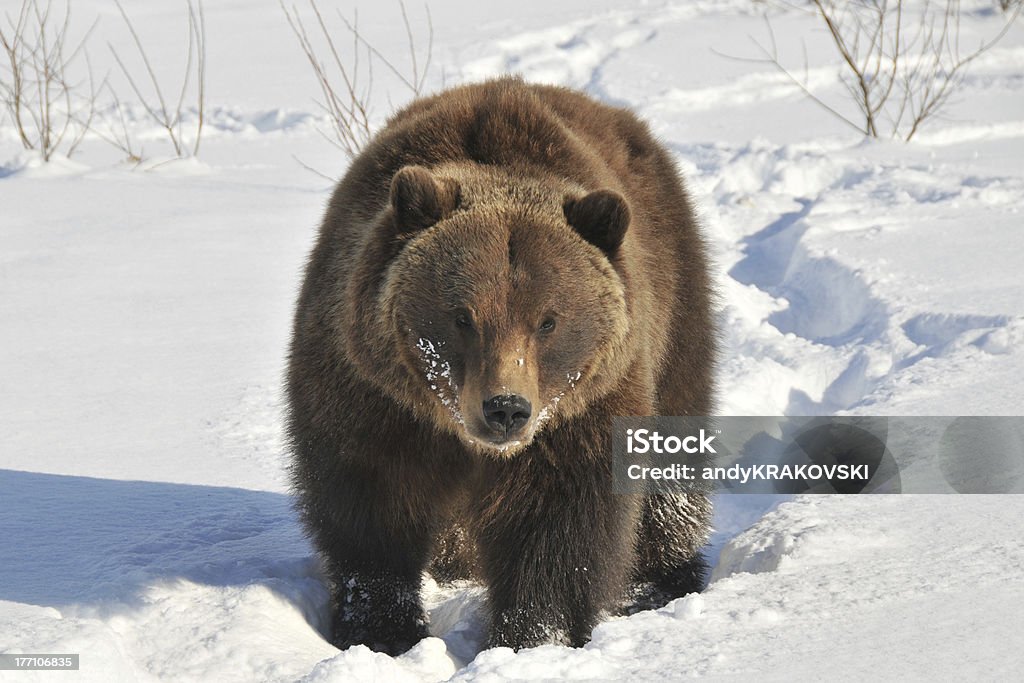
(419, 200)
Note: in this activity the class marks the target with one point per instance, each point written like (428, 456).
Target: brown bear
(503, 269)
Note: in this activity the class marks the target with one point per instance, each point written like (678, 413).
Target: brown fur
(474, 220)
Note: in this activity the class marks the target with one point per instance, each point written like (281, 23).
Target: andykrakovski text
(830, 454)
(744, 474)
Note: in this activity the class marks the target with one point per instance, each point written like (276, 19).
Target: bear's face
(505, 313)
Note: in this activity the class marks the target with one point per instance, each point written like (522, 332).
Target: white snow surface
(144, 315)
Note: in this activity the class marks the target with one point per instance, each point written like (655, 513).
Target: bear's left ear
(419, 199)
(600, 218)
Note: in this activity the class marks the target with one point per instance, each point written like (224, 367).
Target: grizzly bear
(503, 269)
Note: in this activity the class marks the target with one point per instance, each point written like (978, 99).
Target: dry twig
(346, 86)
(170, 119)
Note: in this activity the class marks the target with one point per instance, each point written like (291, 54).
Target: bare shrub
(346, 85)
(169, 118)
(50, 111)
(115, 130)
(900, 72)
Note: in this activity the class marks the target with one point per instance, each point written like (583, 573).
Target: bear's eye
(463, 320)
(547, 326)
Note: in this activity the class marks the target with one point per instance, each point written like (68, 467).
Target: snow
(785, 603)
(144, 314)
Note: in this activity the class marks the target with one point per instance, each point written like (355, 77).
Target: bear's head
(503, 297)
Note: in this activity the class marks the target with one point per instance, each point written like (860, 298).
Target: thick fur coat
(502, 270)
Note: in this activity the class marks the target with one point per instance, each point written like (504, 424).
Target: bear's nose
(506, 414)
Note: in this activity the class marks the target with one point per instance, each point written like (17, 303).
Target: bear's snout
(507, 415)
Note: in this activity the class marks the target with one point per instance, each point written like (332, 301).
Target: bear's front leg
(375, 554)
(556, 546)
(373, 521)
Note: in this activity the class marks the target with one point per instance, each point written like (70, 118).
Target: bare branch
(198, 23)
(413, 84)
(119, 137)
(300, 162)
(195, 60)
(891, 75)
(772, 57)
(344, 98)
(39, 95)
